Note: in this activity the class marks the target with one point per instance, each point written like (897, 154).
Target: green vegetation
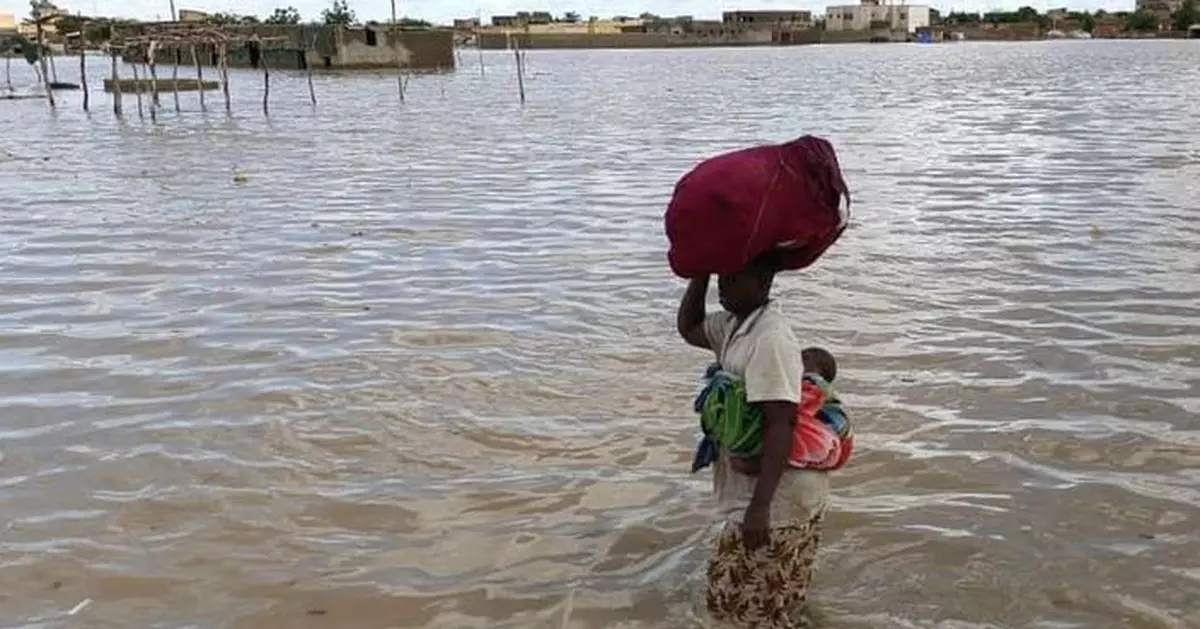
(231, 19)
(340, 14)
(284, 16)
(1186, 16)
(1141, 21)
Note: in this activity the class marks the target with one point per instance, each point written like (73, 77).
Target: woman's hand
(756, 527)
(689, 321)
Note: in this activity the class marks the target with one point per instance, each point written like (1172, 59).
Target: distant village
(867, 21)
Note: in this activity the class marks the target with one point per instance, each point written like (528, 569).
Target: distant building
(769, 19)
(466, 24)
(873, 14)
(523, 18)
(8, 24)
(192, 15)
(1159, 6)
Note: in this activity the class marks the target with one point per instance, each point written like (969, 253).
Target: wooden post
(266, 68)
(224, 60)
(8, 70)
(479, 45)
(150, 52)
(175, 76)
(41, 47)
(137, 88)
(312, 93)
(83, 72)
(116, 79)
(199, 77)
(399, 57)
(520, 71)
(53, 68)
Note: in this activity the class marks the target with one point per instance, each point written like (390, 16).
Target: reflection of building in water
(874, 14)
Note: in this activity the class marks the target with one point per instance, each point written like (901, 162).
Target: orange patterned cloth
(763, 589)
(822, 438)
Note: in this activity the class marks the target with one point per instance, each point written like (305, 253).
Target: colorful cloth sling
(821, 439)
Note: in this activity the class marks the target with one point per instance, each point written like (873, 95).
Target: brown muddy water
(418, 369)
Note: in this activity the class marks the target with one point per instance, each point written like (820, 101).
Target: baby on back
(822, 438)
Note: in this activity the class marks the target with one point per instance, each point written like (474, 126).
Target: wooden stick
(399, 57)
(199, 77)
(150, 52)
(41, 44)
(116, 79)
(8, 70)
(262, 59)
(175, 78)
(224, 60)
(83, 73)
(137, 88)
(312, 93)
(479, 38)
(520, 71)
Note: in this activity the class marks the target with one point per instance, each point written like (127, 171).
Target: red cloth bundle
(733, 207)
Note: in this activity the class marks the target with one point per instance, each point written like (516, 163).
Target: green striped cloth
(726, 417)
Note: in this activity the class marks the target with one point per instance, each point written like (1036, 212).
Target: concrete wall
(498, 41)
(421, 50)
(325, 47)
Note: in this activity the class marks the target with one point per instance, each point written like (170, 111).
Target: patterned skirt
(762, 589)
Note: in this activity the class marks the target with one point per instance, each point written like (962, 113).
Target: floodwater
(371, 365)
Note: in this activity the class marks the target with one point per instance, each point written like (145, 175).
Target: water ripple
(415, 366)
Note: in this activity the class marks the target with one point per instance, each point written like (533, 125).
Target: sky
(443, 11)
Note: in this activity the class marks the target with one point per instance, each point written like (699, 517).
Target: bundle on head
(733, 207)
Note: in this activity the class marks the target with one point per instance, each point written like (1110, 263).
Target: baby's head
(820, 362)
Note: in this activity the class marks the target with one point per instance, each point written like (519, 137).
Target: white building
(871, 14)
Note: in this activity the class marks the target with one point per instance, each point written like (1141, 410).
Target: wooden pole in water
(8, 70)
(479, 38)
(225, 76)
(175, 77)
(137, 88)
(262, 59)
(83, 73)
(116, 82)
(150, 54)
(399, 57)
(199, 77)
(41, 47)
(312, 93)
(520, 70)
(53, 68)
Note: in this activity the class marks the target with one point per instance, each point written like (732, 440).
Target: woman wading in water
(784, 200)
(764, 557)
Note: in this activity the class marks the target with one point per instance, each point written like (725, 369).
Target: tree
(1141, 20)
(571, 17)
(1186, 16)
(1027, 14)
(284, 16)
(1087, 22)
(338, 15)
